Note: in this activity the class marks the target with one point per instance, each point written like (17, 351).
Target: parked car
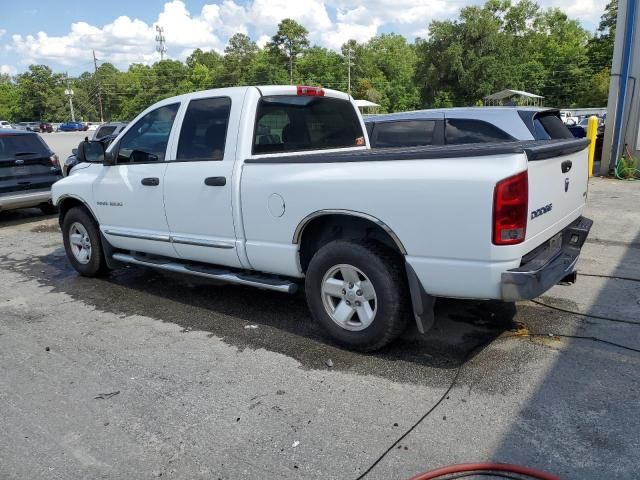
(111, 128)
(46, 127)
(33, 126)
(5, 125)
(92, 126)
(72, 127)
(23, 126)
(456, 126)
(28, 168)
(275, 186)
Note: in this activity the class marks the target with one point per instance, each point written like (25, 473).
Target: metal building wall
(630, 124)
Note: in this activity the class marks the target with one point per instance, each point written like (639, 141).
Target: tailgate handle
(566, 166)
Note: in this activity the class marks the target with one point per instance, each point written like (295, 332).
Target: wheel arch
(323, 226)
(67, 202)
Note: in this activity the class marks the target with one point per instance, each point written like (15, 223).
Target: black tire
(96, 264)
(48, 208)
(383, 268)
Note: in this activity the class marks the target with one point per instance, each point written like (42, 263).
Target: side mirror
(90, 151)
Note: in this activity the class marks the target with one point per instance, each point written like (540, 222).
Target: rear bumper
(24, 199)
(547, 267)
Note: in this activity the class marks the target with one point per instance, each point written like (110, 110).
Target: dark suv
(28, 168)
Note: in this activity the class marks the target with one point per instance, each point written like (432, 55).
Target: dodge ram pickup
(277, 187)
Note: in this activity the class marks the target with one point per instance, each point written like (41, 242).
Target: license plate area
(555, 242)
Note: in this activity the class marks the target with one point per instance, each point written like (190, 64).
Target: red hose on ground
(491, 467)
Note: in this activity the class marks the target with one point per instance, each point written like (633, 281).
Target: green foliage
(289, 42)
(486, 48)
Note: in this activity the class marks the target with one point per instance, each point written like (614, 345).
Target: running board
(214, 273)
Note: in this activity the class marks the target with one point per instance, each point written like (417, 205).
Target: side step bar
(214, 273)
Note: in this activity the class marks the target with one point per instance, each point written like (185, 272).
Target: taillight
(510, 209)
(54, 160)
(310, 91)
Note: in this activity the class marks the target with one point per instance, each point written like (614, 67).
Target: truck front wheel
(82, 243)
(357, 293)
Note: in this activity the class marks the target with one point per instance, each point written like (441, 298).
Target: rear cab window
(291, 123)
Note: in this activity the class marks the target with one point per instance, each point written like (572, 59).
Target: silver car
(453, 126)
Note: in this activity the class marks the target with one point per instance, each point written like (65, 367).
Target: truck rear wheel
(82, 243)
(357, 293)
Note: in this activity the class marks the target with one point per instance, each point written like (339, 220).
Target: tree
(239, 54)
(500, 45)
(290, 41)
(35, 88)
(8, 98)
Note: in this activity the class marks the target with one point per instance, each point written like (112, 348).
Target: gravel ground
(142, 375)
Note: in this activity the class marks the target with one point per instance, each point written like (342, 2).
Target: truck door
(128, 195)
(198, 186)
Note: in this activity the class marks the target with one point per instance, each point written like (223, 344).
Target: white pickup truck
(277, 186)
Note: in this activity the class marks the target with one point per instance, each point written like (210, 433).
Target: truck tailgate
(558, 183)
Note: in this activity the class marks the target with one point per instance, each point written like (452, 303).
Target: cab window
(289, 123)
(147, 140)
(204, 129)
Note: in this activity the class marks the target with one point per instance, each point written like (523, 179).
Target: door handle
(215, 181)
(150, 181)
(566, 166)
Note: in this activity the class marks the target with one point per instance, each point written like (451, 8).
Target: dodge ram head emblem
(566, 184)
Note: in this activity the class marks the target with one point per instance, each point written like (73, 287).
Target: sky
(63, 33)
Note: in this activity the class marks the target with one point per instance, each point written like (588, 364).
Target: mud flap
(108, 251)
(423, 303)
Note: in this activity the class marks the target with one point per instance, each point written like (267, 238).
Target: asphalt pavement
(143, 375)
(62, 142)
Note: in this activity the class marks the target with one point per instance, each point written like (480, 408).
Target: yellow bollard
(592, 133)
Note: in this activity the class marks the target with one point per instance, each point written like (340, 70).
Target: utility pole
(69, 93)
(349, 50)
(95, 67)
(161, 48)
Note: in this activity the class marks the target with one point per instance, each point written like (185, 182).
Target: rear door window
(404, 133)
(289, 123)
(204, 129)
(460, 131)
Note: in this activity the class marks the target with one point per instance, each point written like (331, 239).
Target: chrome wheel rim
(348, 297)
(80, 243)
